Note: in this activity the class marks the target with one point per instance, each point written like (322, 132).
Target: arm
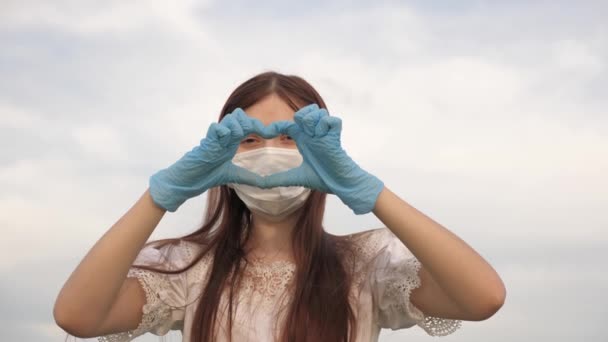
(87, 297)
(455, 280)
(97, 299)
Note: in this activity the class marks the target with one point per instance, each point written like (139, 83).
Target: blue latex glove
(210, 163)
(326, 166)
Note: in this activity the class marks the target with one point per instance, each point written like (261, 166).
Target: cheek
(245, 148)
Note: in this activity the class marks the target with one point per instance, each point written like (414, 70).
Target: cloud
(490, 118)
(107, 17)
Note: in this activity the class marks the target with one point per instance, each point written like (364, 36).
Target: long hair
(319, 308)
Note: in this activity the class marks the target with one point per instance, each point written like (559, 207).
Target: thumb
(292, 177)
(239, 175)
(218, 133)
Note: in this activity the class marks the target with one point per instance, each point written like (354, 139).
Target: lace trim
(270, 279)
(262, 281)
(154, 311)
(119, 337)
(399, 292)
(267, 281)
(198, 272)
(365, 246)
(368, 243)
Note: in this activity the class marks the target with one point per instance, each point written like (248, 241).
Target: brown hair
(319, 309)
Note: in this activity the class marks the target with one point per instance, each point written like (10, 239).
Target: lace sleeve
(394, 276)
(165, 295)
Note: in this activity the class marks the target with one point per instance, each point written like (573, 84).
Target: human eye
(287, 141)
(249, 140)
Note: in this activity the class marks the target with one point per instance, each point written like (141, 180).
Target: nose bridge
(272, 142)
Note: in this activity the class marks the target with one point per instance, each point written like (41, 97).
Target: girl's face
(269, 109)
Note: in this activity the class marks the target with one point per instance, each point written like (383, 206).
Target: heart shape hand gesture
(326, 166)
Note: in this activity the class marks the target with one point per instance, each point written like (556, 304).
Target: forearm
(90, 291)
(460, 271)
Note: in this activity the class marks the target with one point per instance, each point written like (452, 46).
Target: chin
(272, 218)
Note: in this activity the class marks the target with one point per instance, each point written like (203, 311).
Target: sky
(486, 116)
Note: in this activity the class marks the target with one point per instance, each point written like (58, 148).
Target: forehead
(269, 109)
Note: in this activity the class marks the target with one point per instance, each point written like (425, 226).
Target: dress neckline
(270, 264)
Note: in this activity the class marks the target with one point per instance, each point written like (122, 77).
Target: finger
(308, 122)
(292, 177)
(239, 175)
(294, 131)
(236, 131)
(335, 125)
(302, 112)
(306, 109)
(219, 133)
(276, 128)
(326, 124)
(323, 112)
(248, 123)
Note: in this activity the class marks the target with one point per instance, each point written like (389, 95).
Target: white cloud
(15, 117)
(578, 56)
(495, 128)
(88, 17)
(100, 141)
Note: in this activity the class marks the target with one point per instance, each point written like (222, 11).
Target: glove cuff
(161, 195)
(366, 197)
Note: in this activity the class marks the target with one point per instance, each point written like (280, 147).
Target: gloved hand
(210, 163)
(326, 166)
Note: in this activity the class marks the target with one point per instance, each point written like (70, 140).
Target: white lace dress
(382, 303)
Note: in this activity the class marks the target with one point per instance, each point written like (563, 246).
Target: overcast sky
(487, 116)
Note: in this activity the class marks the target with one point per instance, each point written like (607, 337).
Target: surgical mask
(278, 202)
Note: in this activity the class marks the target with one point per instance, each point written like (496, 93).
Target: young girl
(262, 267)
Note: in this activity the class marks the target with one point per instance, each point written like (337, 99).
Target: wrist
(364, 197)
(162, 193)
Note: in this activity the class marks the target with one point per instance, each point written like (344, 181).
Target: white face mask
(279, 202)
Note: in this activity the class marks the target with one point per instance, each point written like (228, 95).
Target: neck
(271, 239)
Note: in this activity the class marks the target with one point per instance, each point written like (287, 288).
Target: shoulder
(176, 254)
(364, 249)
(368, 243)
(374, 233)
(184, 255)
